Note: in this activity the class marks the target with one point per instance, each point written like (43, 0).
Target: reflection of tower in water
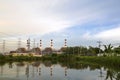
(33, 71)
(65, 71)
(10, 65)
(36, 69)
(2, 70)
(40, 71)
(27, 71)
(101, 74)
(17, 71)
(51, 71)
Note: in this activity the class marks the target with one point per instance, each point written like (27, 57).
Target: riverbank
(112, 61)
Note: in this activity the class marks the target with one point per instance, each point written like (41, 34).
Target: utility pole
(99, 45)
(3, 47)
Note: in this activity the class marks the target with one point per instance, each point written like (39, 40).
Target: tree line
(92, 51)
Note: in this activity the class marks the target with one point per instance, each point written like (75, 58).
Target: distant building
(47, 50)
(21, 50)
(63, 49)
(36, 50)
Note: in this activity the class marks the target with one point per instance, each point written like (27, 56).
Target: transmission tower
(34, 45)
(28, 44)
(99, 45)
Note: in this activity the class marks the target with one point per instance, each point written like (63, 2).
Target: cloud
(41, 18)
(31, 17)
(111, 34)
(45, 16)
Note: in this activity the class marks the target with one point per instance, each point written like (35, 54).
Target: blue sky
(82, 22)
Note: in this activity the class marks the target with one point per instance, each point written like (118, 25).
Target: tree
(76, 50)
(108, 48)
(93, 50)
(21, 50)
(63, 49)
(117, 50)
(109, 75)
(83, 50)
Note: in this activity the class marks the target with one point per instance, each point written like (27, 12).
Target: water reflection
(60, 71)
(27, 71)
(1, 70)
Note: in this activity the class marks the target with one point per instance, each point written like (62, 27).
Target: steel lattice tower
(28, 44)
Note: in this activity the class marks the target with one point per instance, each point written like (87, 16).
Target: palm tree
(109, 75)
(108, 48)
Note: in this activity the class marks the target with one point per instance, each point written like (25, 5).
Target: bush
(2, 57)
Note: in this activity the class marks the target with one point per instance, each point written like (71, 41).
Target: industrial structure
(35, 50)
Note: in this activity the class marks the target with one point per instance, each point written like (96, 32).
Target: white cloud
(31, 17)
(111, 34)
(44, 16)
(105, 35)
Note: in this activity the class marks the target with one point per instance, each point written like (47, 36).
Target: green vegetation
(75, 56)
(105, 61)
(83, 51)
(8, 58)
(108, 50)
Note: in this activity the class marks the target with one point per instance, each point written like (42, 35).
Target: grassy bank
(108, 62)
(104, 60)
(18, 58)
(65, 59)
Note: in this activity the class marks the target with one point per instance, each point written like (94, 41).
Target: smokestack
(40, 44)
(51, 45)
(65, 43)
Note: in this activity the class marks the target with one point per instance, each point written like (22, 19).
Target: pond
(59, 71)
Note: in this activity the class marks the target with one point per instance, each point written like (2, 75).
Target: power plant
(33, 49)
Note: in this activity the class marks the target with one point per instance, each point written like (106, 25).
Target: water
(48, 71)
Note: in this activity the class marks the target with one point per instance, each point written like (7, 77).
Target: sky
(81, 22)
